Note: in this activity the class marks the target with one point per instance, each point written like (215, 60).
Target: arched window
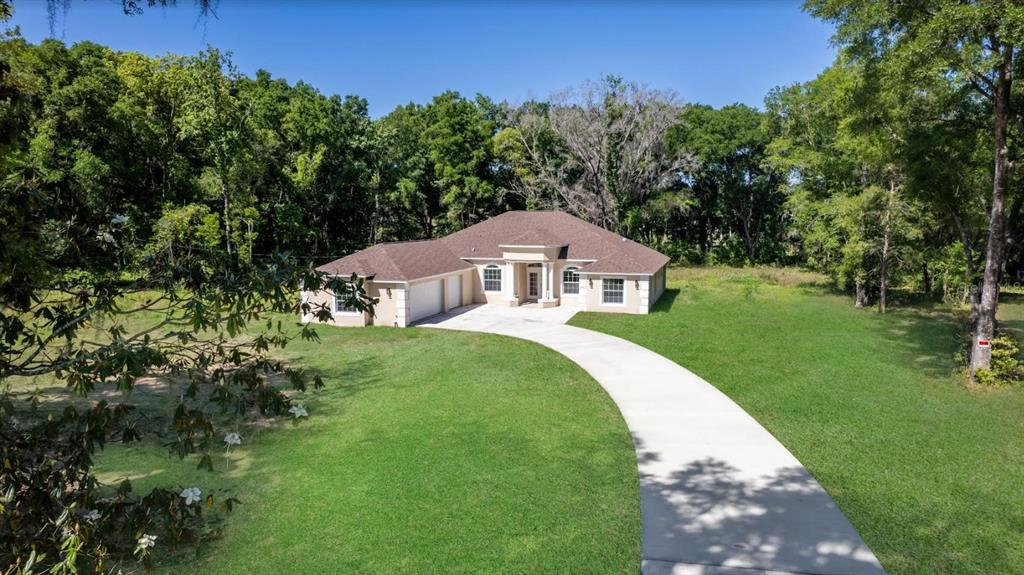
(570, 281)
(492, 278)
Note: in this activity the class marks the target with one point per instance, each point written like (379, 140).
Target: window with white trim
(341, 304)
(613, 290)
(492, 278)
(570, 281)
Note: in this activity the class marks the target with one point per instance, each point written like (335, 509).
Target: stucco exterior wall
(467, 287)
(326, 297)
(521, 279)
(478, 295)
(386, 310)
(657, 286)
(531, 254)
(635, 294)
(392, 309)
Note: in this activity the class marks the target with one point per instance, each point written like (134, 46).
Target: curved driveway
(719, 494)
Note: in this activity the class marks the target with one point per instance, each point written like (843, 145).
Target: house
(521, 257)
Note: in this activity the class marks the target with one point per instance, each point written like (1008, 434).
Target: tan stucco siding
(635, 294)
(521, 270)
(656, 287)
(326, 297)
(467, 287)
(478, 295)
(531, 254)
(386, 310)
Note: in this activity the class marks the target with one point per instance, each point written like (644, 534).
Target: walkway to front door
(719, 494)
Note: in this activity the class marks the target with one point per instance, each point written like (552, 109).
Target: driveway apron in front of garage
(719, 494)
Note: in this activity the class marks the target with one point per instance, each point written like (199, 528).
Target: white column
(547, 280)
(510, 279)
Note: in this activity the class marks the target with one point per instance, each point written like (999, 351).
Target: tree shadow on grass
(928, 341)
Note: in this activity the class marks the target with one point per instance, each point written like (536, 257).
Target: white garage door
(454, 291)
(425, 299)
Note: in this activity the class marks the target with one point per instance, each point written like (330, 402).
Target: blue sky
(395, 52)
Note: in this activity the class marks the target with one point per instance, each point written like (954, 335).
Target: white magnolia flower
(191, 495)
(119, 219)
(92, 515)
(233, 439)
(147, 541)
(106, 238)
(298, 411)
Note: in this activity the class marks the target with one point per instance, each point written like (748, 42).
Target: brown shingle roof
(404, 261)
(535, 238)
(585, 240)
(398, 261)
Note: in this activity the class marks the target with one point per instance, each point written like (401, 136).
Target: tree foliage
(180, 190)
(973, 46)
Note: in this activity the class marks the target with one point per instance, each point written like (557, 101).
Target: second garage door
(454, 291)
(425, 299)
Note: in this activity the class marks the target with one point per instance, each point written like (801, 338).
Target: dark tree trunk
(749, 236)
(883, 280)
(927, 277)
(985, 327)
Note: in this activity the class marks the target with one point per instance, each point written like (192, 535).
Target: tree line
(178, 188)
(878, 172)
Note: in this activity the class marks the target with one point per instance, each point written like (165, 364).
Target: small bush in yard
(1006, 366)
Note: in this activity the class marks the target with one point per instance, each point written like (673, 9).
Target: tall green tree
(219, 125)
(846, 165)
(442, 164)
(738, 194)
(978, 45)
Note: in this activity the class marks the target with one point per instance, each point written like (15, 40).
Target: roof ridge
(395, 242)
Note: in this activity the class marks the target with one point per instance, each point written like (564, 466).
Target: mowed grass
(429, 452)
(929, 471)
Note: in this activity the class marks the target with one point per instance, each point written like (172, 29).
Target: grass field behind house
(929, 471)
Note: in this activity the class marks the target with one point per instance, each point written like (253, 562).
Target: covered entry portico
(531, 266)
(526, 281)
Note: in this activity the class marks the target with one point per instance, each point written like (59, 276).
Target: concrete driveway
(719, 494)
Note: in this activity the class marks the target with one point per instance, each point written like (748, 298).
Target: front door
(533, 284)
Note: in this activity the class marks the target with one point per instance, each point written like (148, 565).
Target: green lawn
(929, 471)
(430, 452)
